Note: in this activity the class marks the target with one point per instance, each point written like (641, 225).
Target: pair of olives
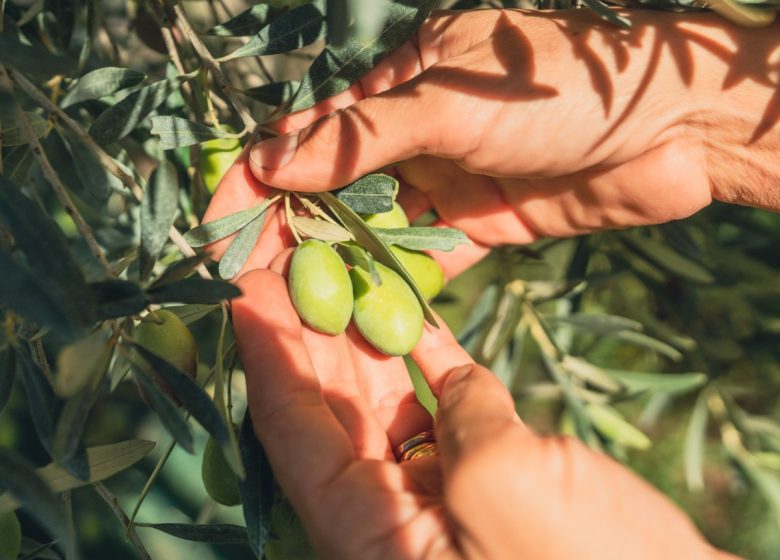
(387, 314)
(164, 334)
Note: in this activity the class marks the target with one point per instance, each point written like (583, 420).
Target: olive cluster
(386, 312)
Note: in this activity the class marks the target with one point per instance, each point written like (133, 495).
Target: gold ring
(421, 445)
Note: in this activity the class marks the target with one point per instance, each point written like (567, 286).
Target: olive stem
(314, 209)
(290, 222)
(113, 503)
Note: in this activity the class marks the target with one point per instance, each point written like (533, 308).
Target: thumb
(337, 149)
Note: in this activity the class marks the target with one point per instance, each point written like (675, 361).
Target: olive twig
(288, 212)
(113, 503)
(314, 209)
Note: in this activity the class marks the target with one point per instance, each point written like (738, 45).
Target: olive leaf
(7, 375)
(33, 61)
(13, 135)
(193, 290)
(40, 398)
(118, 298)
(158, 210)
(338, 67)
(175, 132)
(210, 232)
(650, 343)
(258, 489)
(166, 410)
(611, 424)
(297, 28)
(667, 258)
(369, 240)
(247, 22)
(92, 174)
(321, 229)
(237, 254)
(67, 446)
(195, 400)
(596, 323)
(217, 533)
(275, 93)
(670, 383)
(695, 439)
(604, 12)
(423, 238)
(372, 194)
(100, 83)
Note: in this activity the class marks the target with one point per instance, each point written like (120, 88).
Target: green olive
(10, 536)
(320, 288)
(425, 271)
(216, 157)
(219, 480)
(164, 334)
(395, 218)
(387, 315)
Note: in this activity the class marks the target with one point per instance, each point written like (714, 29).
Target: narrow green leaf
(195, 400)
(28, 488)
(274, 93)
(212, 534)
(93, 175)
(337, 68)
(590, 373)
(158, 210)
(668, 259)
(180, 269)
(192, 312)
(297, 28)
(104, 462)
(372, 194)
(193, 290)
(596, 323)
(82, 364)
(502, 326)
(672, 383)
(321, 229)
(40, 399)
(223, 227)
(166, 410)
(100, 83)
(247, 22)
(67, 445)
(369, 240)
(354, 255)
(12, 135)
(695, 439)
(7, 375)
(257, 489)
(650, 343)
(118, 298)
(338, 16)
(611, 424)
(175, 132)
(423, 238)
(33, 61)
(237, 254)
(121, 119)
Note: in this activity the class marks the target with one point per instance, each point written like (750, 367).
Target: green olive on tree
(387, 315)
(216, 157)
(424, 269)
(219, 480)
(165, 335)
(10, 536)
(320, 288)
(395, 218)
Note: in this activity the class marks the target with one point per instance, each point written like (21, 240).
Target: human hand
(329, 410)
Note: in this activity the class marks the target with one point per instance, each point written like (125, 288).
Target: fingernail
(453, 388)
(275, 153)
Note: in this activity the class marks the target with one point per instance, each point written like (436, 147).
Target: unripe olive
(395, 218)
(320, 288)
(219, 480)
(216, 157)
(387, 315)
(164, 334)
(10, 536)
(424, 269)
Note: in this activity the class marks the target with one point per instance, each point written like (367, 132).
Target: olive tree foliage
(101, 196)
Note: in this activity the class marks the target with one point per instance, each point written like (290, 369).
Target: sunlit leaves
(100, 83)
(175, 132)
(371, 194)
(248, 22)
(424, 238)
(158, 210)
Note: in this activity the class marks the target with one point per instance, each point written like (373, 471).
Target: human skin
(512, 126)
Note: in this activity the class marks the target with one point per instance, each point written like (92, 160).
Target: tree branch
(113, 503)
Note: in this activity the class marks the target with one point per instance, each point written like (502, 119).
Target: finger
(368, 135)
(399, 67)
(437, 353)
(305, 443)
(413, 201)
